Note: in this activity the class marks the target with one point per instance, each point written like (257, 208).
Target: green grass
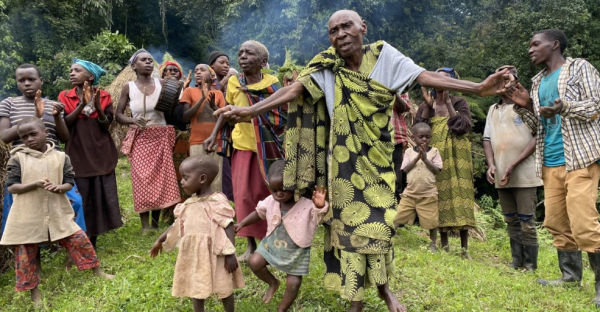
(424, 281)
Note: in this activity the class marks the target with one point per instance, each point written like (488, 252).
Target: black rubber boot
(530, 257)
(594, 261)
(516, 249)
(570, 265)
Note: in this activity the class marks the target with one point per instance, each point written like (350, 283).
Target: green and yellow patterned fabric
(456, 193)
(351, 152)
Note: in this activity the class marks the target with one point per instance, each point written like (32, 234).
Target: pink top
(300, 222)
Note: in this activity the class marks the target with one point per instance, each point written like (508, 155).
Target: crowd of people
(329, 148)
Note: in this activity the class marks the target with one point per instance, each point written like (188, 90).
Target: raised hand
(423, 152)
(319, 195)
(551, 111)
(97, 104)
(519, 95)
(212, 101)
(39, 104)
(57, 108)
(88, 93)
(493, 84)
(427, 96)
(188, 80)
(156, 249)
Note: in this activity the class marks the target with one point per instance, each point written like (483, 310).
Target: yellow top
(243, 133)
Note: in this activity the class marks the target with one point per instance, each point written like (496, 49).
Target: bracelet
(103, 121)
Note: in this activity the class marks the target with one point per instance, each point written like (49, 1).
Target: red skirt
(248, 189)
(153, 178)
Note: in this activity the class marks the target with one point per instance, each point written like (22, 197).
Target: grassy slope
(424, 281)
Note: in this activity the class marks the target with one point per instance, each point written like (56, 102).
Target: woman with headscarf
(91, 148)
(450, 120)
(171, 69)
(149, 142)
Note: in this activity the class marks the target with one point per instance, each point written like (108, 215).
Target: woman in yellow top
(249, 164)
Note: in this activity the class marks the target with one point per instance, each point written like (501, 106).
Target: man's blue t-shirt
(554, 150)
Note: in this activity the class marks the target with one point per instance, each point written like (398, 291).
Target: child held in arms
(38, 176)
(290, 232)
(204, 233)
(421, 163)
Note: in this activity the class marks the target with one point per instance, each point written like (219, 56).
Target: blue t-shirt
(554, 150)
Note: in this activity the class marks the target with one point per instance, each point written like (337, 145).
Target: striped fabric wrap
(269, 128)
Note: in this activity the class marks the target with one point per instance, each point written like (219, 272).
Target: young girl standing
(206, 263)
(149, 143)
(290, 232)
(91, 148)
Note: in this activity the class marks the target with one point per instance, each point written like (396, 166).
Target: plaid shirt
(579, 90)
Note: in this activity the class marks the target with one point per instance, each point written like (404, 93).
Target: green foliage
(492, 212)
(109, 50)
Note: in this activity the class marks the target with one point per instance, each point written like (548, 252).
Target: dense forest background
(474, 36)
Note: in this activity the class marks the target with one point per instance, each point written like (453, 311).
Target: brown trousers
(570, 200)
(518, 207)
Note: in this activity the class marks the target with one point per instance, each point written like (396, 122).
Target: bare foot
(245, 256)
(465, 255)
(433, 247)
(36, 297)
(391, 301)
(69, 262)
(270, 292)
(356, 306)
(98, 272)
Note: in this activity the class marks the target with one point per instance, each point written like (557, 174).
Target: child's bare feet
(98, 272)
(36, 297)
(271, 292)
(433, 247)
(69, 262)
(356, 306)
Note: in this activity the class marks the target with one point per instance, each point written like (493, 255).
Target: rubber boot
(594, 261)
(516, 249)
(530, 257)
(571, 267)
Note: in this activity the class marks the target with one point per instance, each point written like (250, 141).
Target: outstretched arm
(279, 98)
(157, 247)
(490, 86)
(249, 220)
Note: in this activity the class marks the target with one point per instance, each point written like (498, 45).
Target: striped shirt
(579, 90)
(17, 108)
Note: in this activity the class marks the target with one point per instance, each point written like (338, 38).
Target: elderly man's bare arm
(492, 85)
(284, 95)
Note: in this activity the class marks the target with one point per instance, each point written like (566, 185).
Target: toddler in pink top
(290, 232)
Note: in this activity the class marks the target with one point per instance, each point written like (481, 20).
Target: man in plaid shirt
(563, 109)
